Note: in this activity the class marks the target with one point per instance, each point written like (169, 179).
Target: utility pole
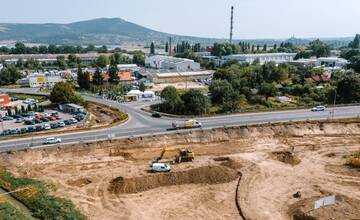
(231, 24)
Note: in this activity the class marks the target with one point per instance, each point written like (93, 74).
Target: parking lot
(36, 122)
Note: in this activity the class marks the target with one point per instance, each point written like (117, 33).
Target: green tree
(20, 48)
(348, 88)
(139, 58)
(98, 77)
(172, 100)
(267, 89)
(355, 44)
(61, 63)
(10, 75)
(102, 61)
(167, 47)
(152, 48)
(355, 63)
(142, 87)
(63, 92)
(83, 79)
(113, 75)
(319, 48)
(195, 103)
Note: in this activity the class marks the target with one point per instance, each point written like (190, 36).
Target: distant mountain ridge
(112, 31)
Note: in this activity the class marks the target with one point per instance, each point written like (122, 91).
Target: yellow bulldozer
(183, 155)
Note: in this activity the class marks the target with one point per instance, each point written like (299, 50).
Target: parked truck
(186, 124)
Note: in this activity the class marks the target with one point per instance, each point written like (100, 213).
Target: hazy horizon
(253, 19)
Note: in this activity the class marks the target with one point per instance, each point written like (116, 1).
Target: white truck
(186, 124)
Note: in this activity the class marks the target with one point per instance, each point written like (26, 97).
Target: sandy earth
(275, 162)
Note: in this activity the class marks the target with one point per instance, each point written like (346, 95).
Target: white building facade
(171, 63)
(261, 57)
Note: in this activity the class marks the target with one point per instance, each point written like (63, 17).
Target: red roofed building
(317, 79)
(4, 100)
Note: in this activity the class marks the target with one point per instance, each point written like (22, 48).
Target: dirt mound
(285, 157)
(233, 164)
(344, 208)
(208, 174)
(119, 153)
(222, 159)
(79, 182)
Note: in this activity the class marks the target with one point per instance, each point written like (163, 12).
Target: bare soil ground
(110, 180)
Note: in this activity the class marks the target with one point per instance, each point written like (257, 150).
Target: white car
(319, 108)
(52, 140)
(61, 124)
(160, 167)
(47, 127)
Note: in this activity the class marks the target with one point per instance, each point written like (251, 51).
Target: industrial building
(261, 57)
(328, 62)
(171, 63)
(172, 76)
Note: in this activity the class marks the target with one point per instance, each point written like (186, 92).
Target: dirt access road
(109, 180)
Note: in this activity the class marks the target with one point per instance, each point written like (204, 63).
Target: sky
(253, 19)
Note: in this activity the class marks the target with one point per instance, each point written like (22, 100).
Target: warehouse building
(171, 63)
(261, 57)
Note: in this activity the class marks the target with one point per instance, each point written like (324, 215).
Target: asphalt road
(141, 123)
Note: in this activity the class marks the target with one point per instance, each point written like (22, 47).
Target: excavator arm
(167, 150)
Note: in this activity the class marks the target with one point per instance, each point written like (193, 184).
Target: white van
(160, 167)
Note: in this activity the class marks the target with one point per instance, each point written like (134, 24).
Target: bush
(10, 212)
(37, 199)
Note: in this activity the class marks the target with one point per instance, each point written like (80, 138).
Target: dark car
(17, 116)
(7, 118)
(29, 122)
(54, 125)
(67, 122)
(31, 129)
(44, 119)
(37, 121)
(156, 115)
(25, 114)
(39, 128)
(23, 130)
(79, 117)
(6, 132)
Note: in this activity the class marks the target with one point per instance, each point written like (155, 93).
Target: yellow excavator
(184, 155)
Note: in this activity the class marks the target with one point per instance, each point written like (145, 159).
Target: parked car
(51, 118)
(39, 128)
(319, 108)
(37, 121)
(29, 122)
(19, 120)
(7, 118)
(15, 131)
(79, 117)
(31, 129)
(61, 124)
(156, 115)
(160, 167)
(23, 130)
(54, 125)
(6, 132)
(17, 116)
(67, 122)
(54, 113)
(52, 140)
(47, 127)
(73, 120)
(44, 119)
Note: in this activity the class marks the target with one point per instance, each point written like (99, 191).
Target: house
(171, 63)
(261, 57)
(39, 80)
(71, 108)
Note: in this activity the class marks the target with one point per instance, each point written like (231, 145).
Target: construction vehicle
(186, 124)
(183, 155)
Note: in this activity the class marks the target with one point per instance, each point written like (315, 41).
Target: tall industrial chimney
(231, 24)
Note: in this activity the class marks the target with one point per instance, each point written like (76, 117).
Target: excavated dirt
(208, 175)
(286, 157)
(110, 180)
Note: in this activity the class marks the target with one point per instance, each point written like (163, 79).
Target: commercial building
(171, 63)
(37, 80)
(327, 62)
(261, 57)
(71, 108)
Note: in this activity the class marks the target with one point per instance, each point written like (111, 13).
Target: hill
(96, 31)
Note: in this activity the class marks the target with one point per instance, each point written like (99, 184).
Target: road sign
(324, 202)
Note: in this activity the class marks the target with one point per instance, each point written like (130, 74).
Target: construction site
(272, 171)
